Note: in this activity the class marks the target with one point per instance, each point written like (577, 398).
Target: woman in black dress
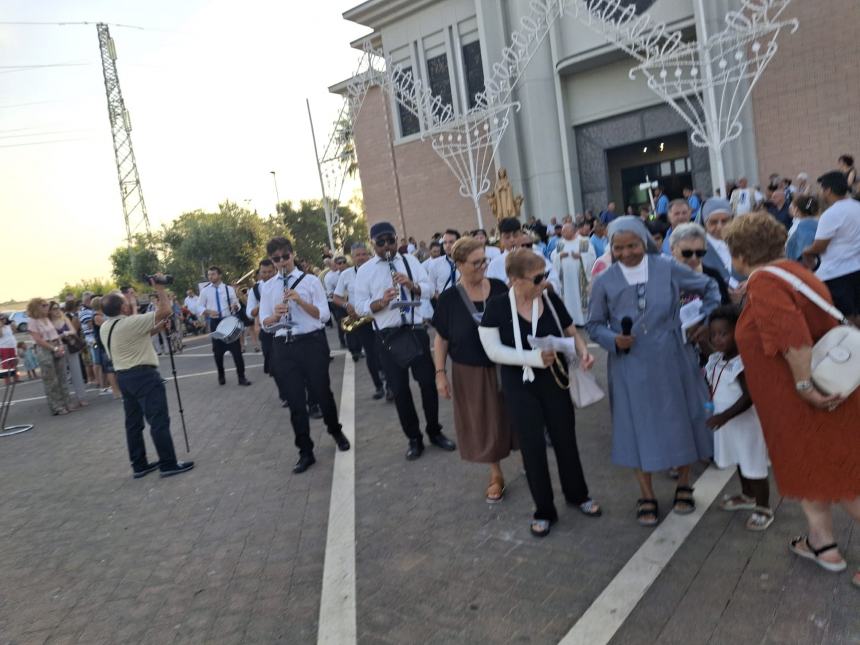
(483, 432)
(535, 391)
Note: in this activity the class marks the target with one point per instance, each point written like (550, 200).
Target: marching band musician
(218, 301)
(402, 335)
(299, 352)
(265, 271)
(443, 271)
(362, 336)
(330, 281)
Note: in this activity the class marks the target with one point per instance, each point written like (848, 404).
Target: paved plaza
(236, 550)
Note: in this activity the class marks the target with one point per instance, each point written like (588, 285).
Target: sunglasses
(540, 277)
(385, 240)
(279, 258)
(688, 253)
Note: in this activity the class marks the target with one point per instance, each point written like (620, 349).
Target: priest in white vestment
(573, 257)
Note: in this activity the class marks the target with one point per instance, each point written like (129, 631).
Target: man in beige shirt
(127, 341)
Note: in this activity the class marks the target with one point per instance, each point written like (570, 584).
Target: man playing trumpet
(293, 304)
(362, 334)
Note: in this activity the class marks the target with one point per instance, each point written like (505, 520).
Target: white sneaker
(106, 390)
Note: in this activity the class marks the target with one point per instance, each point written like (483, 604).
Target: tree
(233, 239)
(309, 233)
(97, 286)
(130, 265)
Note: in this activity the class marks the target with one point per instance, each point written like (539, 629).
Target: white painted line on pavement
(337, 621)
(166, 378)
(608, 612)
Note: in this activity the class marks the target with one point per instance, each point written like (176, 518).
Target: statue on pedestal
(502, 201)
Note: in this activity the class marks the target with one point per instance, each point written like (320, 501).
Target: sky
(216, 94)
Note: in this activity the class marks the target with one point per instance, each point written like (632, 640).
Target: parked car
(19, 320)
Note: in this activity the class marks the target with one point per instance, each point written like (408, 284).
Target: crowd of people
(708, 341)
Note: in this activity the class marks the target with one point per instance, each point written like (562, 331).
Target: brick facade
(807, 102)
(429, 192)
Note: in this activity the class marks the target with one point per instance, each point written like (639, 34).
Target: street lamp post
(277, 196)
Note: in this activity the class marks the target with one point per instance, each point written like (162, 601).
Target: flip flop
(810, 553)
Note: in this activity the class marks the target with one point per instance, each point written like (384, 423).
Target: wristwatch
(803, 386)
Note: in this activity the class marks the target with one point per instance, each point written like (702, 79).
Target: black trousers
(300, 366)
(219, 348)
(144, 397)
(533, 407)
(338, 313)
(266, 346)
(398, 380)
(365, 338)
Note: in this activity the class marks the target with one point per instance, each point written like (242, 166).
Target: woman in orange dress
(812, 438)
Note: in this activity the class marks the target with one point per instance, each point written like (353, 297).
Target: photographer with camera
(126, 338)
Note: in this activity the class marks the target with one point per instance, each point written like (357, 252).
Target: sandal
(737, 503)
(646, 508)
(495, 491)
(760, 519)
(540, 528)
(801, 546)
(590, 508)
(686, 504)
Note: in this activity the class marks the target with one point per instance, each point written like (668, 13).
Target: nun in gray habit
(657, 391)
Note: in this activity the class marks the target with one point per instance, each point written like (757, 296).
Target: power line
(43, 133)
(19, 105)
(36, 23)
(8, 69)
(44, 143)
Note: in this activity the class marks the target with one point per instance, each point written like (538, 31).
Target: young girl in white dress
(738, 438)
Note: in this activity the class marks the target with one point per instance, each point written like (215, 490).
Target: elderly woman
(688, 244)
(716, 215)
(483, 432)
(534, 383)
(657, 391)
(50, 352)
(811, 437)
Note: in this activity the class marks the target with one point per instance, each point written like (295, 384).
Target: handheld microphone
(626, 328)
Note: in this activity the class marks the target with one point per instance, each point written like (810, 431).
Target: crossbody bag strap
(110, 334)
(806, 290)
(468, 302)
(296, 283)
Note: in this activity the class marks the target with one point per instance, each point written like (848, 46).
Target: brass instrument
(351, 323)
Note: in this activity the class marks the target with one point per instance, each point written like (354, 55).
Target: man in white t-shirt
(743, 199)
(837, 242)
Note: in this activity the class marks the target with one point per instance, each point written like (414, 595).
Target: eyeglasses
(640, 294)
(688, 253)
(279, 258)
(540, 277)
(385, 240)
(479, 264)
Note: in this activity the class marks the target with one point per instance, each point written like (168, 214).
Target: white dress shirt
(331, 279)
(209, 301)
(310, 290)
(492, 252)
(496, 270)
(439, 271)
(252, 300)
(372, 280)
(193, 305)
(346, 285)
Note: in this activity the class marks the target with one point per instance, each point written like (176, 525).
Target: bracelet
(442, 371)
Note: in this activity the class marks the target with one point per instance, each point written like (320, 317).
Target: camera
(166, 279)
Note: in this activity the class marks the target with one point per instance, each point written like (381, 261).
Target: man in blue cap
(384, 288)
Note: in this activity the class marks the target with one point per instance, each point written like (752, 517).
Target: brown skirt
(483, 431)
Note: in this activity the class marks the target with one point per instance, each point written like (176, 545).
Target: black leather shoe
(416, 448)
(356, 358)
(304, 462)
(441, 441)
(341, 440)
(244, 381)
(285, 404)
(178, 468)
(314, 412)
(380, 392)
(221, 379)
(389, 394)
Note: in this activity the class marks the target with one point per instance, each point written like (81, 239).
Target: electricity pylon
(133, 206)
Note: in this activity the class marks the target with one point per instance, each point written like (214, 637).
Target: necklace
(716, 384)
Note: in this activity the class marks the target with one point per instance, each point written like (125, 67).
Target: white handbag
(836, 356)
(584, 390)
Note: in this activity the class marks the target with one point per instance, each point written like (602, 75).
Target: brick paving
(233, 551)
